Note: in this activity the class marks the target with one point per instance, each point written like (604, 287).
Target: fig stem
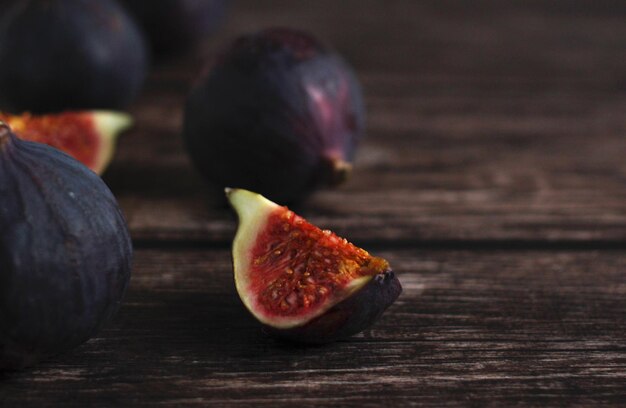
(339, 172)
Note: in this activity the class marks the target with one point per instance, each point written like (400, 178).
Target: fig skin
(174, 27)
(277, 113)
(65, 252)
(69, 55)
(349, 317)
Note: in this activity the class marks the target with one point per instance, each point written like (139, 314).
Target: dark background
(493, 179)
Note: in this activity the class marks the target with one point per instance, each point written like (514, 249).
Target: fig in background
(174, 27)
(62, 55)
(277, 113)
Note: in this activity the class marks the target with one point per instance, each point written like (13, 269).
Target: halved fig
(301, 282)
(88, 136)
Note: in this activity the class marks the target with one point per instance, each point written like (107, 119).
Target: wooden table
(493, 178)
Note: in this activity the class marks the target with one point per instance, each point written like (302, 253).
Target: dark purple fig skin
(69, 55)
(65, 252)
(273, 115)
(348, 317)
(174, 27)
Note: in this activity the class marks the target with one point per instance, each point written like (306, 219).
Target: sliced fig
(88, 136)
(301, 282)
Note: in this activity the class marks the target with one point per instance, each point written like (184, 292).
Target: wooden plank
(483, 328)
(500, 121)
(438, 164)
(536, 39)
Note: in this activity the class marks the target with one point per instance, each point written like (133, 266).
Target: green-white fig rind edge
(109, 124)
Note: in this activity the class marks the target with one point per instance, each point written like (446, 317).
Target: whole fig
(69, 55)
(176, 26)
(65, 252)
(277, 113)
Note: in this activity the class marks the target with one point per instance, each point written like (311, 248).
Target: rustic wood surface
(485, 327)
(489, 122)
(493, 178)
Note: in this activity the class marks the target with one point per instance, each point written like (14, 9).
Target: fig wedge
(303, 283)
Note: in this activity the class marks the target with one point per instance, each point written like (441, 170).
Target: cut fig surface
(302, 282)
(88, 136)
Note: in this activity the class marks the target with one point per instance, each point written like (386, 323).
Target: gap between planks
(437, 244)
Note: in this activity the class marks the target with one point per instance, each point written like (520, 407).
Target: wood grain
(477, 328)
(499, 122)
(492, 178)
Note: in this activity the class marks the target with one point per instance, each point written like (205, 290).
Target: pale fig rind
(109, 125)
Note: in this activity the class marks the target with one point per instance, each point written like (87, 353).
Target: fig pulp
(60, 55)
(277, 113)
(65, 252)
(87, 136)
(301, 282)
(176, 26)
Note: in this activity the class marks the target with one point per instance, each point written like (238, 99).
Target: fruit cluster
(276, 112)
